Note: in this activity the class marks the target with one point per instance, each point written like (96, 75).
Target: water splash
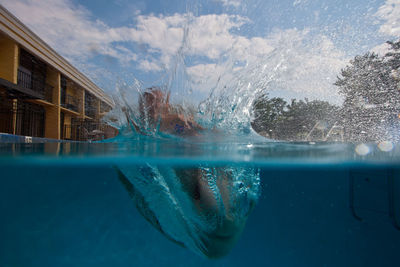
(229, 105)
(203, 208)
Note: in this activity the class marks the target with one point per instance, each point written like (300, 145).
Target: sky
(293, 48)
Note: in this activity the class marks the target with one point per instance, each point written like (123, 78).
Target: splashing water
(229, 106)
(203, 208)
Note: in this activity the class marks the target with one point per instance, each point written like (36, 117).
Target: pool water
(62, 204)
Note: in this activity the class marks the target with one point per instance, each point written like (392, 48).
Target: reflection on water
(217, 149)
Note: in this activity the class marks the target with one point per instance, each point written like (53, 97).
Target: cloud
(306, 64)
(295, 61)
(206, 76)
(381, 49)
(211, 36)
(290, 63)
(208, 36)
(230, 3)
(147, 65)
(69, 29)
(73, 32)
(389, 14)
(299, 2)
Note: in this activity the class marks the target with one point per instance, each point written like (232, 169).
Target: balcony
(90, 112)
(91, 104)
(70, 102)
(28, 81)
(104, 108)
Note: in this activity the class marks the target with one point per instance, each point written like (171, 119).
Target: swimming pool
(188, 179)
(321, 204)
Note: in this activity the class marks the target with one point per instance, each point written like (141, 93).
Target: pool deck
(11, 138)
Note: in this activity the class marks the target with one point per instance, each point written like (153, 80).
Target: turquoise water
(320, 204)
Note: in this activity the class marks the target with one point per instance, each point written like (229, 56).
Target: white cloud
(232, 3)
(299, 2)
(297, 64)
(73, 32)
(69, 29)
(147, 65)
(205, 76)
(305, 63)
(210, 35)
(381, 49)
(389, 13)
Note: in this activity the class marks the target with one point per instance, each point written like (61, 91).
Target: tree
(372, 99)
(277, 119)
(393, 58)
(267, 113)
(301, 116)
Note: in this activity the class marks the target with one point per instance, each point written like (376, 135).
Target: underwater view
(171, 203)
(233, 133)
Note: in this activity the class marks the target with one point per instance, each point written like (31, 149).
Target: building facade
(42, 94)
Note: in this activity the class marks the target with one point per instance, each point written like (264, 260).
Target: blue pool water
(62, 204)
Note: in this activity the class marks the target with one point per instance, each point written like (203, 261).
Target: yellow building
(43, 95)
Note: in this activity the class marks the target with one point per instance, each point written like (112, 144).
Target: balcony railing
(27, 80)
(90, 105)
(90, 112)
(24, 79)
(71, 103)
(104, 107)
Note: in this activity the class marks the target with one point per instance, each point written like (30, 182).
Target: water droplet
(385, 146)
(362, 149)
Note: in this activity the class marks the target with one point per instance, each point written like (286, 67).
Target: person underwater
(203, 208)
